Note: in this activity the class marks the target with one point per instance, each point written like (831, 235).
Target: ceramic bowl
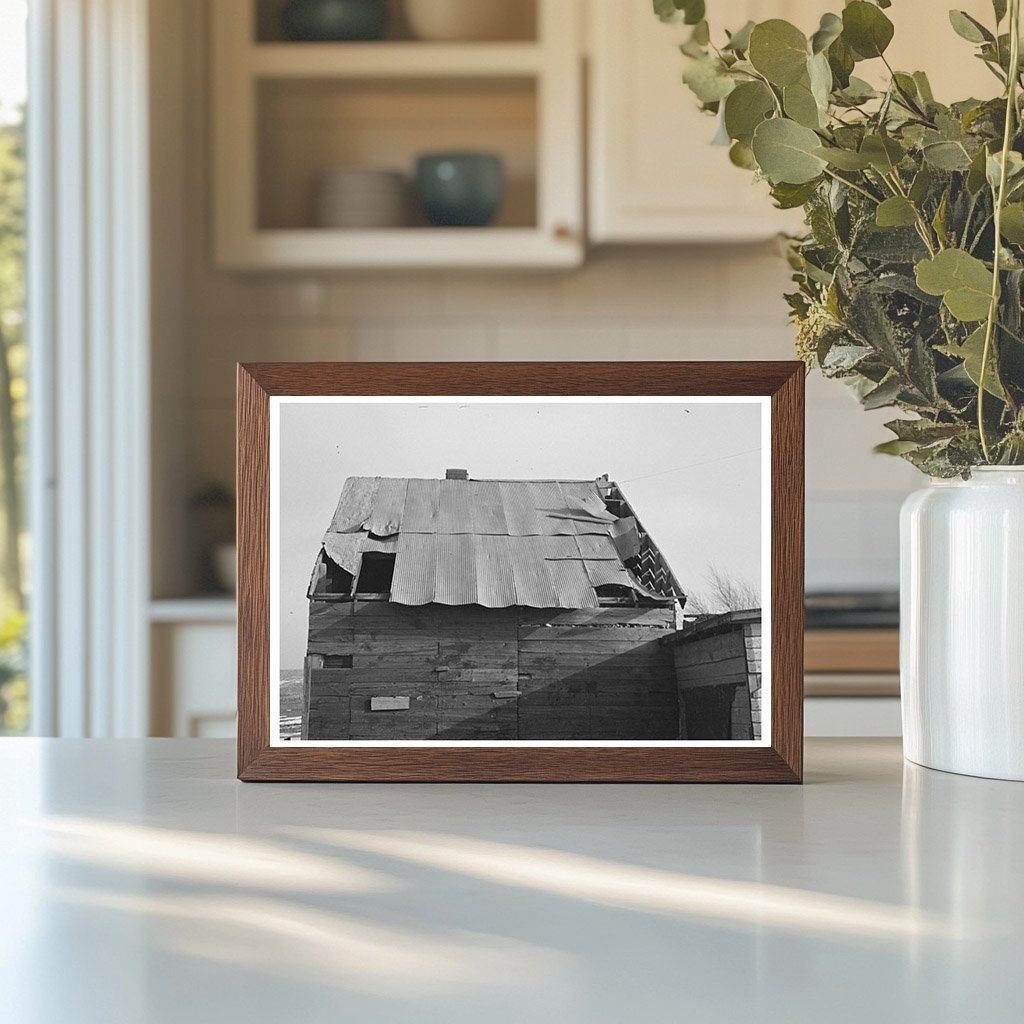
(470, 20)
(460, 189)
(360, 197)
(334, 20)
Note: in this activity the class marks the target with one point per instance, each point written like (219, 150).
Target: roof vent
(456, 474)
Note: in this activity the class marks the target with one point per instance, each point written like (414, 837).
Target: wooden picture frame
(778, 759)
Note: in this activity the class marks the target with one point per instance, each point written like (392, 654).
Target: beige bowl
(361, 198)
(471, 20)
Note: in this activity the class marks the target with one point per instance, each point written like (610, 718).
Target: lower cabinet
(193, 677)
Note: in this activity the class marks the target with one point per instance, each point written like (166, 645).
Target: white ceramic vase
(962, 624)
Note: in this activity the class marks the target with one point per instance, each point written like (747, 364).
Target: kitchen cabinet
(653, 175)
(286, 113)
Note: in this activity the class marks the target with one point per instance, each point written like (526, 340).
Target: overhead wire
(692, 465)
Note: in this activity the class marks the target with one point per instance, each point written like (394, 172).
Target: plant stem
(856, 188)
(993, 309)
(923, 228)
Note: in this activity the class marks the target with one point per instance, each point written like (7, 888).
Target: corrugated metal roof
(495, 586)
(497, 543)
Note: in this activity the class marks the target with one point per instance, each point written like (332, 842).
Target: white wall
(665, 303)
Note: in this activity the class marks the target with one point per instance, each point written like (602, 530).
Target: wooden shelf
(393, 60)
(401, 247)
(852, 650)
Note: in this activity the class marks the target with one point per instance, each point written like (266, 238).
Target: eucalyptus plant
(910, 278)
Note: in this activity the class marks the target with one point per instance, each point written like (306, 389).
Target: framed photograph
(519, 572)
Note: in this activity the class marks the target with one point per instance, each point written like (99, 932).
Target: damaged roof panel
(421, 505)
(571, 583)
(413, 582)
(388, 506)
(497, 543)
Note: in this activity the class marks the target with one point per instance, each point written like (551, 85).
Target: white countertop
(143, 885)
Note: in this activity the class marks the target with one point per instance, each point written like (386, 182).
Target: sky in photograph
(691, 472)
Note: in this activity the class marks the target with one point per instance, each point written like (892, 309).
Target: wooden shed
(488, 610)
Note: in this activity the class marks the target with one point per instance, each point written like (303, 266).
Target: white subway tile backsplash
(413, 296)
(501, 298)
(644, 285)
(574, 340)
(252, 298)
(412, 342)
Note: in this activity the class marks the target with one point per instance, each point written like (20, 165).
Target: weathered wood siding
(719, 680)
(752, 643)
(477, 673)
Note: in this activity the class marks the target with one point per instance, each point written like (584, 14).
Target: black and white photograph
(530, 571)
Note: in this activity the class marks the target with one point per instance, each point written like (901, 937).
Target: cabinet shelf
(287, 113)
(310, 248)
(392, 60)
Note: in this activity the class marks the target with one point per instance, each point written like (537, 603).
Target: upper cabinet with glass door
(653, 174)
(318, 136)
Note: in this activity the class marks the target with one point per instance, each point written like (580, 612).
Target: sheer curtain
(88, 301)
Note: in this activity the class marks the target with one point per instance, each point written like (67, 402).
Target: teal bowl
(460, 190)
(334, 21)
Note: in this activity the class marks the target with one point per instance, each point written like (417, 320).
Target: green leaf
(1012, 224)
(800, 105)
(946, 156)
(896, 212)
(895, 447)
(785, 152)
(841, 60)
(739, 41)
(924, 87)
(1014, 169)
(778, 50)
(789, 197)
(923, 431)
(939, 220)
(676, 12)
(884, 395)
(866, 29)
(971, 352)
(745, 108)
(741, 155)
(820, 76)
(829, 30)
(858, 91)
(883, 153)
(708, 80)
(976, 173)
(969, 28)
(921, 185)
(844, 159)
(963, 281)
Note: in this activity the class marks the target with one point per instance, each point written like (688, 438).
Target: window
(14, 693)
(337, 581)
(376, 574)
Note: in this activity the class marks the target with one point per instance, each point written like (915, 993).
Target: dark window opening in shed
(337, 661)
(376, 574)
(338, 580)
